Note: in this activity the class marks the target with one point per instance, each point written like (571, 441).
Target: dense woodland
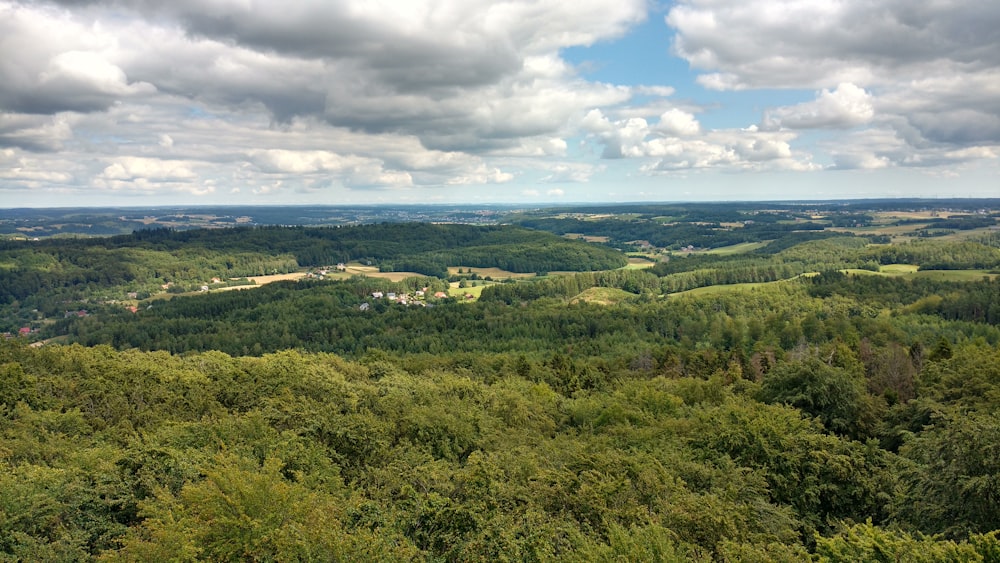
(838, 403)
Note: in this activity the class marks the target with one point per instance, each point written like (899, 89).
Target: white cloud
(929, 71)
(148, 169)
(569, 172)
(26, 171)
(215, 97)
(677, 143)
(482, 175)
(660, 91)
(678, 122)
(847, 106)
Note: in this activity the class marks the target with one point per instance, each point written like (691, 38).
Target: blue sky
(132, 102)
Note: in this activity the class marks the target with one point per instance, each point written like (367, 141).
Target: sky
(265, 102)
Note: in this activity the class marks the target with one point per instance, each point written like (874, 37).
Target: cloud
(25, 171)
(879, 148)
(930, 71)
(352, 170)
(148, 169)
(281, 102)
(677, 143)
(569, 173)
(678, 122)
(786, 43)
(847, 106)
(35, 132)
(71, 68)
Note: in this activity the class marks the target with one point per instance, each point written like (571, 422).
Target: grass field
(909, 270)
(460, 292)
(899, 269)
(955, 275)
(588, 238)
(733, 287)
(262, 280)
(372, 272)
(740, 248)
(495, 273)
(603, 296)
(719, 289)
(636, 263)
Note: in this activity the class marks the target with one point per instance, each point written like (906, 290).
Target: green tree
(952, 483)
(835, 396)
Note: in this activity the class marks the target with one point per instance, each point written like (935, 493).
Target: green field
(460, 292)
(603, 296)
(741, 248)
(720, 289)
(910, 270)
(897, 269)
(955, 275)
(637, 262)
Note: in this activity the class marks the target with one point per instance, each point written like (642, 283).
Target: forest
(827, 393)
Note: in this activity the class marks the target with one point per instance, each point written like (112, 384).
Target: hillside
(822, 396)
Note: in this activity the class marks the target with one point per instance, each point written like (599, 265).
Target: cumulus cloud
(786, 43)
(60, 63)
(678, 122)
(25, 171)
(676, 142)
(280, 100)
(928, 70)
(353, 170)
(879, 148)
(847, 106)
(149, 169)
(359, 93)
(34, 132)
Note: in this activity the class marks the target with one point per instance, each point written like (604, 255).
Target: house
(418, 293)
(377, 295)
(24, 331)
(133, 295)
(132, 309)
(364, 306)
(341, 267)
(440, 295)
(390, 295)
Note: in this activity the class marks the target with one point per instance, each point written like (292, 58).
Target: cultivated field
(635, 263)
(494, 273)
(261, 280)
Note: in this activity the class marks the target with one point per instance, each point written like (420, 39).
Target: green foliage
(290, 423)
(952, 479)
(833, 395)
(866, 542)
(291, 456)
